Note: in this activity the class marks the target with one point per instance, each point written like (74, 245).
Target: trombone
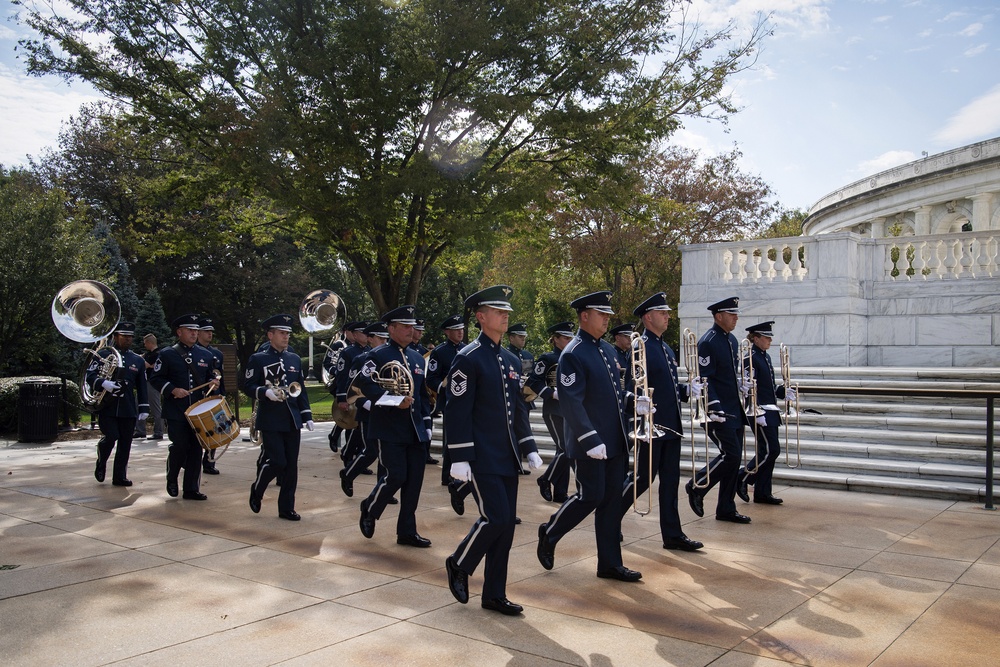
(644, 430)
(699, 407)
(754, 411)
(785, 355)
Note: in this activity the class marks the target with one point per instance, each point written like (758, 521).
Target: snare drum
(213, 422)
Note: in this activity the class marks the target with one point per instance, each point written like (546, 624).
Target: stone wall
(841, 299)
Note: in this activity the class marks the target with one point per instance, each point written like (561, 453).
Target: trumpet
(786, 373)
(644, 429)
(699, 406)
(284, 392)
(754, 410)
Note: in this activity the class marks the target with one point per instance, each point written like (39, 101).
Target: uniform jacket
(591, 397)
(439, 364)
(184, 367)
(330, 360)
(391, 423)
(219, 362)
(343, 366)
(281, 369)
(131, 376)
(763, 373)
(538, 383)
(718, 360)
(487, 419)
(661, 375)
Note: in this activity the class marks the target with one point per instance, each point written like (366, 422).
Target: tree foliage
(393, 130)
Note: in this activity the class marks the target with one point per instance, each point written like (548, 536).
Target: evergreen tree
(122, 281)
(151, 319)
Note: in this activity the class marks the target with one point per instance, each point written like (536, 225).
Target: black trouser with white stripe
(724, 468)
(768, 450)
(666, 463)
(492, 534)
(279, 457)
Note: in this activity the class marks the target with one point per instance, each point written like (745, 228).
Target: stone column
(982, 208)
(922, 221)
(878, 228)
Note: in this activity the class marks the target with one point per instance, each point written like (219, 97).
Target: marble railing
(768, 260)
(961, 255)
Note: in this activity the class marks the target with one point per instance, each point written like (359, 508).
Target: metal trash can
(38, 410)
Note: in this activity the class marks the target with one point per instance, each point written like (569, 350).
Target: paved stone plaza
(95, 574)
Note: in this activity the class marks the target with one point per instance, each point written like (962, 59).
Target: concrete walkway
(94, 574)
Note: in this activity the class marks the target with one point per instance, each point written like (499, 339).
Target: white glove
(142, 417)
(534, 461)
(761, 421)
(791, 394)
(310, 425)
(367, 406)
(555, 394)
(716, 417)
(461, 471)
(274, 397)
(695, 387)
(644, 406)
(430, 434)
(599, 452)
(746, 386)
(111, 386)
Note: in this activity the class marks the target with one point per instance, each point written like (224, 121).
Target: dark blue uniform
(593, 402)
(438, 367)
(489, 429)
(557, 474)
(330, 360)
(341, 383)
(667, 395)
(180, 366)
(402, 435)
(278, 422)
(767, 439)
(208, 459)
(118, 414)
(354, 445)
(360, 440)
(718, 359)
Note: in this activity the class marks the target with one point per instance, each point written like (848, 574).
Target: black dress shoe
(695, 499)
(621, 573)
(545, 489)
(291, 515)
(682, 543)
(546, 551)
(367, 522)
(122, 482)
(367, 471)
(210, 470)
(457, 503)
(346, 485)
(392, 501)
(194, 495)
(560, 499)
(741, 487)
(503, 605)
(768, 500)
(334, 444)
(100, 470)
(517, 521)
(172, 489)
(735, 517)
(413, 540)
(431, 461)
(458, 580)
(525, 472)
(254, 499)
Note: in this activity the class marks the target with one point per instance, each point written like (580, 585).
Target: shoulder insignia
(249, 373)
(340, 363)
(459, 383)
(368, 368)
(540, 368)
(704, 361)
(432, 365)
(157, 365)
(567, 380)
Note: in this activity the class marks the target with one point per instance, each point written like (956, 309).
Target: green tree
(151, 319)
(788, 224)
(391, 130)
(42, 250)
(121, 277)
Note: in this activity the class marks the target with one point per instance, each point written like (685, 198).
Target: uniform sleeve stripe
(460, 445)
(525, 439)
(586, 435)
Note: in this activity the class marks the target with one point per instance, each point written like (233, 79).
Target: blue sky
(842, 90)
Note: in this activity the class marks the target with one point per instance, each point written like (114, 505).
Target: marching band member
(330, 360)
(206, 332)
(418, 333)
(593, 402)
(768, 444)
(621, 337)
(718, 359)
(402, 425)
(358, 344)
(487, 435)
(553, 484)
(125, 405)
(438, 367)
(667, 394)
(280, 416)
(517, 335)
(179, 369)
(378, 334)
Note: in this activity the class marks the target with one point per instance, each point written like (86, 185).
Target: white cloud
(925, 33)
(33, 110)
(801, 16)
(693, 141)
(975, 50)
(971, 30)
(886, 160)
(882, 19)
(976, 120)
(952, 16)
